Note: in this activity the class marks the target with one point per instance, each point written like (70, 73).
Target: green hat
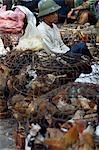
(46, 7)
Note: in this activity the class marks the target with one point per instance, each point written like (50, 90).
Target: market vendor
(83, 12)
(50, 33)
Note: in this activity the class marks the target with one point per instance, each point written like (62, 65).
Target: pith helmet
(46, 7)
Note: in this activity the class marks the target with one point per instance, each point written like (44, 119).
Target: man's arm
(85, 5)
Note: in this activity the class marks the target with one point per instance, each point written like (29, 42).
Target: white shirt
(52, 39)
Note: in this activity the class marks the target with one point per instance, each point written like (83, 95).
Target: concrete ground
(7, 127)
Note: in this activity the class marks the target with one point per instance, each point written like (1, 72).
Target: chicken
(4, 73)
(16, 98)
(16, 83)
(43, 84)
(84, 102)
(79, 114)
(45, 107)
(64, 142)
(10, 88)
(22, 107)
(68, 139)
(5, 70)
(61, 96)
(54, 132)
(39, 87)
(89, 129)
(86, 140)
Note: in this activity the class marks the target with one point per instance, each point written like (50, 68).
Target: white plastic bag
(31, 40)
(29, 15)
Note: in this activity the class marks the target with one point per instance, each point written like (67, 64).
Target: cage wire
(46, 81)
(72, 33)
(10, 39)
(51, 71)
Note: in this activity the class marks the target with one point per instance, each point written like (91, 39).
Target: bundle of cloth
(12, 23)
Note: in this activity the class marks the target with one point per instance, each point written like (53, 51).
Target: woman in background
(83, 13)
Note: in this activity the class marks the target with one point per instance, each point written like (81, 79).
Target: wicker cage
(41, 81)
(63, 69)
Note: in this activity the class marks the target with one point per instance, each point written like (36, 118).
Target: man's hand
(72, 14)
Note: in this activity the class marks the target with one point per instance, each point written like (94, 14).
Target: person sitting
(50, 33)
(83, 13)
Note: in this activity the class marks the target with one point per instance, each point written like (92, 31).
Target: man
(83, 12)
(50, 33)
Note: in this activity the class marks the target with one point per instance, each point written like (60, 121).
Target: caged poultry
(22, 107)
(4, 73)
(40, 72)
(36, 73)
(72, 33)
(33, 74)
(70, 129)
(78, 137)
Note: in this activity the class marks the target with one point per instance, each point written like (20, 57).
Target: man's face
(52, 18)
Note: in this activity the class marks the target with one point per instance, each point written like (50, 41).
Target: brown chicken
(62, 95)
(22, 107)
(77, 138)
(69, 138)
(4, 73)
(86, 140)
(40, 85)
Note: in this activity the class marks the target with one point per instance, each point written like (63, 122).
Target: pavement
(7, 128)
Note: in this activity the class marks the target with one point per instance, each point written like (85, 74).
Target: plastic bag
(31, 40)
(29, 15)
